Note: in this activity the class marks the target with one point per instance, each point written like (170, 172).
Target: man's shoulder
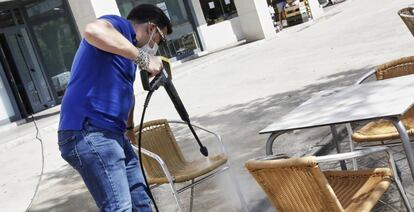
(115, 20)
(113, 17)
(119, 23)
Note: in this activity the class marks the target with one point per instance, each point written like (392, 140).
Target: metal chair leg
(175, 194)
(192, 196)
(399, 172)
(386, 204)
(398, 182)
(237, 187)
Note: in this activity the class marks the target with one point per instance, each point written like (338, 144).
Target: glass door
(25, 63)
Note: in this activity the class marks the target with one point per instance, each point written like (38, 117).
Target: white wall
(220, 35)
(6, 108)
(255, 19)
(85, 11)
(315, 8)
(253, 23)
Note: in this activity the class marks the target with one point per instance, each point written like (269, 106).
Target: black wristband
(129, 128)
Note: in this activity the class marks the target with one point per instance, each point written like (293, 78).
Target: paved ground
(235, 92)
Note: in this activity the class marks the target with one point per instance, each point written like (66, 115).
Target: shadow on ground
(239, 126)
(63, 190)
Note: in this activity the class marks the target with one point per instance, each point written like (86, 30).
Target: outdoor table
(388, 99)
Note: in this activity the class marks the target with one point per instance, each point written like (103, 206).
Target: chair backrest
(295, 184)
(396, 68)
(158, 138)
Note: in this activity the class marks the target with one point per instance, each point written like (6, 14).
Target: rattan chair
(164, 162)
(384, 130)
(298, 184)
(407, 15)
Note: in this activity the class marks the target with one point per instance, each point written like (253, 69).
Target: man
(280, 5)
(97, 108)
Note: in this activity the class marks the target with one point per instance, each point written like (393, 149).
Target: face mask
(147, 48)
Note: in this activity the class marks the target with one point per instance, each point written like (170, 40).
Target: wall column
(86, 11)
(255, 19)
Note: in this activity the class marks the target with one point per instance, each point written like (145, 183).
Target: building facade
(39, 38)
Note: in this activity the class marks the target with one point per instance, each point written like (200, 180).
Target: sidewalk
(236, 92)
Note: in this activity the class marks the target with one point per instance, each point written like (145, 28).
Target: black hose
(147, 99)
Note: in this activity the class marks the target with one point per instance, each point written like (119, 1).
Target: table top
(377, 99)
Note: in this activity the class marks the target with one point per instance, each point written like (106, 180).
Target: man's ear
(148, 28)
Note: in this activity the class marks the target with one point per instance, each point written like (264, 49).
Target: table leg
(351, 144)
(406, 142)
(337, 145)
(270, 141)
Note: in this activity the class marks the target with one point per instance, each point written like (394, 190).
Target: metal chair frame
(194, 182)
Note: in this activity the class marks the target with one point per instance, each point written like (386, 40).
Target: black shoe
(329, 4)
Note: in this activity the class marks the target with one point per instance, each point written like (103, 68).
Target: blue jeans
(281, 6)
(109, 167)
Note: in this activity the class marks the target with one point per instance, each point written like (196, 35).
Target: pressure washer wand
(164, 79)
(179, 106)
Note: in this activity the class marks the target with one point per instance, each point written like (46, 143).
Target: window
(182, 42)
(175, 9)
(56, 37)
(216, 11)
(6, 19)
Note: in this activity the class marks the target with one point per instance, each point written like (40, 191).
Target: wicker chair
(384, 130)
(407, 15)
(298, 184)
(164, 162)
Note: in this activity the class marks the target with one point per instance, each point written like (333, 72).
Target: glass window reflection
(182, 42)
(216, 11)
(56, 39)
(6, 19)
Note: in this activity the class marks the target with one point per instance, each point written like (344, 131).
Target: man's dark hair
(150, 13)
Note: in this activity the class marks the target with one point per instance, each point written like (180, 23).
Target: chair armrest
(366, 151)
(272, 157)
(218, 137)
(351, 155)
(150, 154)
(365, 77)
(158, 159)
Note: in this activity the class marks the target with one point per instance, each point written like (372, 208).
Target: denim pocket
(68, 142)
(65, 137)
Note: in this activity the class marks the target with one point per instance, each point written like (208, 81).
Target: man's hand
(155, 65)
(131, 136)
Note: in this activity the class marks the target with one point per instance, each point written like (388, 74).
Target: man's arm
(130, 123)
(104, 36)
